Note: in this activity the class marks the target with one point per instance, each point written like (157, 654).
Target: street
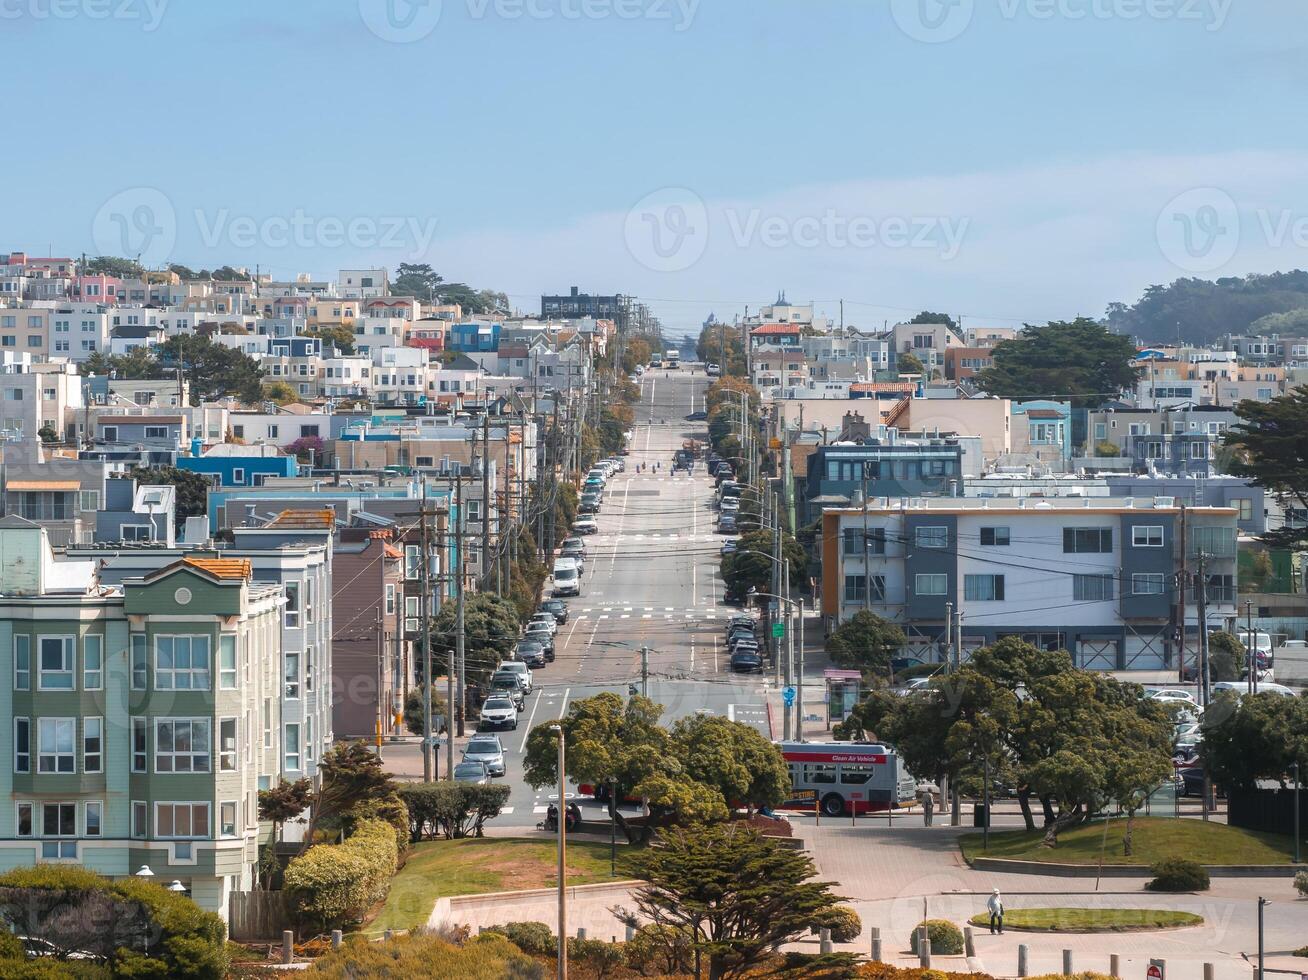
(651, 580)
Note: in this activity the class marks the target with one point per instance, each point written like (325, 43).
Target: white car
(1241, 688)
(1171, 694)
(585, 525)
(498, 712)
(542, 621)
(519, 668)
(487, 750)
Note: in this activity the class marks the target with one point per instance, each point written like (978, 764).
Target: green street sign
(778, 630)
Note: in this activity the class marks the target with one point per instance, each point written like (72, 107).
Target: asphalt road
(651, 580)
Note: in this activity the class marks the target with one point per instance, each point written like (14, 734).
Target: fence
(257, 915)
(1268, 810)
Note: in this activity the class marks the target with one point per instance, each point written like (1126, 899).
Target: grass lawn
(1155, 838)
(1090, 920)
(444, 869)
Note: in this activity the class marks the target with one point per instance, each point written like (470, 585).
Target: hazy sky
(1005, 160)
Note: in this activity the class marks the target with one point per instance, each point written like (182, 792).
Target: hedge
(946, 939)
(423, 955)
(449, 809)
(118, 923)
(1178, 875)
(331, 885)
(844, 923)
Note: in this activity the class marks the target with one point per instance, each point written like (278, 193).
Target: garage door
(1097, 654)
(1144, 652)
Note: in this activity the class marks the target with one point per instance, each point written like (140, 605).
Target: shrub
(945, 937)
(331, 885)
(844, 923)
(1301, 883)
(533, 938)
(1178, 875)
(603, 957)
(75, 910)
(11, 947)
(449, 809)
(487, 957)
(661, 949)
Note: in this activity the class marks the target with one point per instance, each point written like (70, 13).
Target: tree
(1201, 311)
(721, 344)
(48, 434)
(1270, 444)
(280, 392)
(414, 709)
(1291, 323)
(1077, 360)
(740, 896)
(865, 641)
(226, 273)
(1259, 736)
(1226, 656)
(1135, 769)
(735, 760)
(416, 279)
(283, 802)
(113, 265)
(635, 350)
(490, 629)
(337, 335)
(192, 489)
(750, 565)
(213, 370)
(927, 317)
(909, 363)
(355, 786)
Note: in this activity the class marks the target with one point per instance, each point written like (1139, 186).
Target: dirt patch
(520, 870)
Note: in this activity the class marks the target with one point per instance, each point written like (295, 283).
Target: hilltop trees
(1270, 446)
(1077, 360)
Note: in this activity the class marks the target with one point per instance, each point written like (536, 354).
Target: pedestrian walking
(928, 807)
(995, 906)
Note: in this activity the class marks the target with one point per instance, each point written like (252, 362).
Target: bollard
(337, 938)
(1208, 971)
(969, 945)
(1067, 962)
(631, 932)
(824, 941)
(1022, 952)
(876, 944)
(1115, 966)
(288, 946)
(924, 948)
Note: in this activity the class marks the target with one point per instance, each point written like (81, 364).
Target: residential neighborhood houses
(252, 526)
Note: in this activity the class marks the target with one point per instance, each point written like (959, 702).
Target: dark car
(697, 416)
(747, 661)
(506, 685)
(733, 596)
(543, 638)
(726, 525)
(904, 663)
(728, 547)
(573, 548)
(531, 652)
(556, 608)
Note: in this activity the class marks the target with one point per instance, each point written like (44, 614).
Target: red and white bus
(839, 776)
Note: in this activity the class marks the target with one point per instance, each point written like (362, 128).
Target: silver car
(471, 772)
(486, 749)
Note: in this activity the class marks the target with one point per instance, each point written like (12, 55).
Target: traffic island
(1091, 920)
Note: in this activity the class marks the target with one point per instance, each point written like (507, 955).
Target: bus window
(819, 773)
(855, 775)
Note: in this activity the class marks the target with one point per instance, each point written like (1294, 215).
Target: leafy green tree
(490, 626)
(1201, 311)
(928, 317)
(212, 370)
(226, 273)
(865, 641)
(280, 392)
(192, 489)
(1259, 736)
(285, 801)
(416, 279)
(742, 766)
(48, 434)
(738, 895)
(750, 565)
(337, 335)
(1226, 656)
(113, 265)
(354, 787)
(1134, 770)
(1077, 360)
(185, 273)
(413, 710)
(1292, 323)
(714, 340)
(909, 363)
(1270, 444)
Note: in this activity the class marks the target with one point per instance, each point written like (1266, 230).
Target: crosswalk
(618, 611)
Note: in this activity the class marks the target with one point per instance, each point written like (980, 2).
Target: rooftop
(222, 568)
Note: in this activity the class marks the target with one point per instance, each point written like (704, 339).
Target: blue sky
(1003, 159)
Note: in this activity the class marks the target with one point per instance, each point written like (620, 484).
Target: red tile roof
(901, 386)
(775, 328)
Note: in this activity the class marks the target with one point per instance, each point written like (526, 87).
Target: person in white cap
(995, 906)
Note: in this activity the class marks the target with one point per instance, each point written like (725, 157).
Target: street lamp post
(1296, 811)
(613, 826)
(563, 861)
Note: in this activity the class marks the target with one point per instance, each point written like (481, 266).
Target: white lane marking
(530, 718)
(564, 710)
(509, 809)
(692, 654)
(645, 616)
(624, 616)
(665, 609)
(715, 654)
(731, 710)
(535, 809)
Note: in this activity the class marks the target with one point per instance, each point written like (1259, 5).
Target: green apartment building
(141, 719)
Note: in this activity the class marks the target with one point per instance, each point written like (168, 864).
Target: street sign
(788, 696)
(1155, 971)
(778, 630)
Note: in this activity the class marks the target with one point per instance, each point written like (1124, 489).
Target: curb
(446, 909)
(1013, 866)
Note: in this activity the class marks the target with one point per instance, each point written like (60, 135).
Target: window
(292, 612)
(22, 662)
(308, 600)
(853, 775)
(139, 660)
(24, 819)
(1214, 542)
(994, 537)
(227, 662)
(92, 663)
(181, 663)
(983, 588)
(390, 599)
(22, 745)
(56, 753)
(267, 723)
(59, 820)
(819, 773)
(1198, 450)
(1092, 588)
(1147, 536)
(181, 745)
(227, 819)
(93, 818)
(855, 588)
(1088, 540)
(1245, 506)
(1148, 583)
(140, 745)
(932, 537)
(140, 819)
(110, 433)
(308, 738)
(935, 584)
(136, 532)
(92, 745)
(292, 674)
(227, 745)
(292, 747)
(181, 820)
(1221, 588)
(56, 663)
(238, 475)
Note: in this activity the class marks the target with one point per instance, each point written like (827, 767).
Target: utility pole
(1250, 647)
(1184, 580)
(428, 750)
(563, 859)
(776, 587)
(644, 672)
(451, 714)
(799, 685)
(1201, 589)
(790, 648)
(949, 637)
(485, 495)
(867, 583)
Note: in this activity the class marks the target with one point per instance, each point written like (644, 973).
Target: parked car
(543, 621)
(697, 416)
(531, 651)
(733, 596)
(728, 548)
(471, 771)
(585, 525)
(556, 608)
(498, 712)
(747, 661)
(506, 685)
(519, 670)
(487, 750)
(573, 548)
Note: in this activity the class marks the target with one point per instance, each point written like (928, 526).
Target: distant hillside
(1202, 311)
